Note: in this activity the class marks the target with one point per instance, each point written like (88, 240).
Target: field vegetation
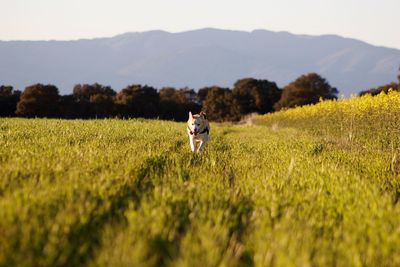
(312, 186)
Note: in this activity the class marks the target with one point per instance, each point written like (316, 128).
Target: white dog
(198, 130)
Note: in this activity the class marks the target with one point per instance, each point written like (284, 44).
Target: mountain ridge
(207, 29)
(197, 58)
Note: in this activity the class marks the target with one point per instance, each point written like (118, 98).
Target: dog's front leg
(201, 146)
(192, 144)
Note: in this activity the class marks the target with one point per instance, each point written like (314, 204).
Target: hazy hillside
(196, 59)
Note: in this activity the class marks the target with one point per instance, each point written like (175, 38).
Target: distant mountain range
(196, 59)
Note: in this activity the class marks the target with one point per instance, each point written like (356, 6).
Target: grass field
(314, 186)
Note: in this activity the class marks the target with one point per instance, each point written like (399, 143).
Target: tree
(168, 94)
(8, 101)
(175, 104)
(138, 101)
(94, 100)
(102, 105)
(39, 100)
(376, 91)
(169, 106)
(187, 95)
(254, 95)
(383, 88)
(202, 94)
(307, 89)
(83, 92)
(221, 105)
(398, 77)
(188, 101)
(69, 108)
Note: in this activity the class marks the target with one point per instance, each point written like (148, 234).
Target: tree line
(87, 101)
(383, 88)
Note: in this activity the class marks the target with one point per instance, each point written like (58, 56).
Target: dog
(198, 130)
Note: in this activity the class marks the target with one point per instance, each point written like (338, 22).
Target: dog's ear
(203, 114)
(190, 115)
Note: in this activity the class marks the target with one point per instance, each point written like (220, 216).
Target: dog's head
(197, 123)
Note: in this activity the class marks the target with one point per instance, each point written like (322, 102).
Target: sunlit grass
(294, 190)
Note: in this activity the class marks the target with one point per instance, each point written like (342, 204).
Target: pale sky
(373, 21)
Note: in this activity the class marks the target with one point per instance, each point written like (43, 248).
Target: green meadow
(312, 186)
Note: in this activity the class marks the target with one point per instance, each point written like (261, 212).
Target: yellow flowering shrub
(371, 119)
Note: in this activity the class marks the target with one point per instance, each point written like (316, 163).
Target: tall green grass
(289, 191)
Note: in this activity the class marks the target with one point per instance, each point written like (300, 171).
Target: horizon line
(198, 29)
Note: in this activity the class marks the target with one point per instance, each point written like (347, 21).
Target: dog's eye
(198, 124)
(192, 123)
